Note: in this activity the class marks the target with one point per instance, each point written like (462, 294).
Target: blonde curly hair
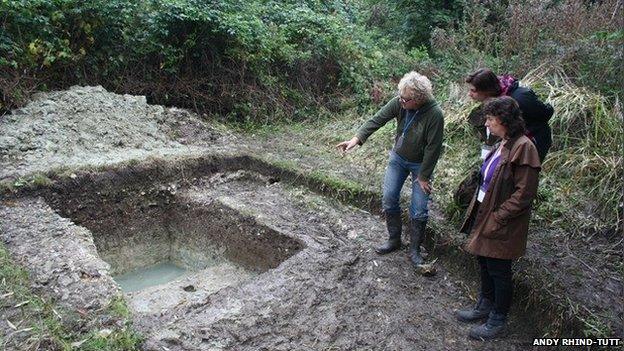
(416, 86)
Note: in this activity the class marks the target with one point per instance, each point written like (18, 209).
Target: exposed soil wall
(237, 237)
(139, 224)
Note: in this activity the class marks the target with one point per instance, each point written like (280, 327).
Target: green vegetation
(245, 60)
(32, 181)
(411, 22)
(35, 321)
(346, 190)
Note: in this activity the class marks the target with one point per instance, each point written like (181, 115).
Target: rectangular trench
(161, 246)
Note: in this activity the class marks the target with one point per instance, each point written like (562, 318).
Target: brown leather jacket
(500, 224)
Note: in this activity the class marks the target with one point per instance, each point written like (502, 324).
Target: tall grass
(586, 161)
(584, 38)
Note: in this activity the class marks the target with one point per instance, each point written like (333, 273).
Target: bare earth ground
(581, 273)
(334, 294)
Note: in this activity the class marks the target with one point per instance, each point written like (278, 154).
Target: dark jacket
(499, 225)
(423, 140)
(536, 115)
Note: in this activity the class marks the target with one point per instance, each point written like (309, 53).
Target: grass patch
(36, 323)
(32, 181)
(344, 189)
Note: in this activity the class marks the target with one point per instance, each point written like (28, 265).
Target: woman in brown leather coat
(498, 215)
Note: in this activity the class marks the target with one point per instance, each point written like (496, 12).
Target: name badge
(481, 195)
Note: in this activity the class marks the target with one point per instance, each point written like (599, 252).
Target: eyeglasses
(404, 100)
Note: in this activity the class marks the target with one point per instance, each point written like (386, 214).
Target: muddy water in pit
(166, 285)
(188, 274)
(149, 276)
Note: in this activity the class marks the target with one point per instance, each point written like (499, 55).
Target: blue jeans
(396, 173)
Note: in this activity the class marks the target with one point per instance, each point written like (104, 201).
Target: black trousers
(496, 284)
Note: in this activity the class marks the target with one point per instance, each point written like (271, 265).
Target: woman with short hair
(417, 148)
(498, 215)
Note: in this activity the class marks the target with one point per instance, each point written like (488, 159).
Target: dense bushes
(243, 59)
(411, 22)
(38, 34)
(255, 58)
(50, 43)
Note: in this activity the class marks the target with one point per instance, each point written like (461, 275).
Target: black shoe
(388, 247)
(480, 311)
(417, 236)
(394, 225)
(494, 327)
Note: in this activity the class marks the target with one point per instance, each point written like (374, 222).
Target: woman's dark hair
(508, 112)
(484, 80)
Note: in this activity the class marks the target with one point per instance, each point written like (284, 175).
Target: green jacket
(423, 140)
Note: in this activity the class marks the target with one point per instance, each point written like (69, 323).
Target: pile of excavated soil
(91, 126)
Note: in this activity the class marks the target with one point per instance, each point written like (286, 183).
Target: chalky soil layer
(256, 262)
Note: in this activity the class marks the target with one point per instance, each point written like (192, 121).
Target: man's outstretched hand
(348, 145)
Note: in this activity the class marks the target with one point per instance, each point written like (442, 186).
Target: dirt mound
(91, 126)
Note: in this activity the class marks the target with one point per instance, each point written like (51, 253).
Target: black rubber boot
(494, 327)
(394, 225)
(479, 312)
(417, 236)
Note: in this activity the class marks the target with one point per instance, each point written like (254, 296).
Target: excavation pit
(166, 248)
